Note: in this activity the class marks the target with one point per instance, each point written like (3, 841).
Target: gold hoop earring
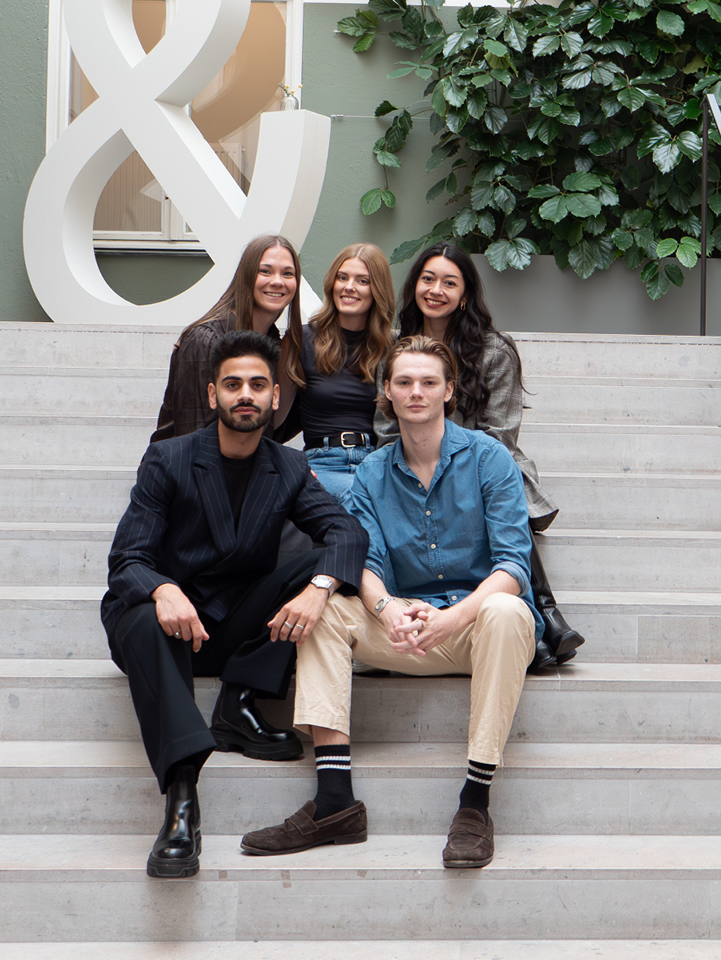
(463, 304)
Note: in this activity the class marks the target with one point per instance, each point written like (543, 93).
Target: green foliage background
(573, 130)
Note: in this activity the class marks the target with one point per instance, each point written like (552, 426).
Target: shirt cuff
(516, 571)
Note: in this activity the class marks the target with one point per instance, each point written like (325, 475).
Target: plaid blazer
(502, 421)
(179, 526)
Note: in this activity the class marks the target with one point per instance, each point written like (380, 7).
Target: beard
(247, 424)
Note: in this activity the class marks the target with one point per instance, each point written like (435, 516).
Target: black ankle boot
(175, 853)
(559, 641)
(239, 725)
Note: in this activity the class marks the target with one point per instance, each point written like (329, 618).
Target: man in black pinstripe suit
(194, 589)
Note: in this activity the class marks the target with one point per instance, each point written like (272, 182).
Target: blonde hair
(431, 348)
(331, 351)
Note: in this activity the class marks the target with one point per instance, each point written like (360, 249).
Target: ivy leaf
(631, 97)
(548, 190)
(371, 201)
(352, 27)
(583, 205)
(519, 252)
(572, 44)
(545, 45)
(464, 222)
(402, 40)
(545, 128)
(495, 47)
(670, 23)
(476, 104)
(633, 257)
(453, 92)
(690, 144)
(495, 119)
(436, 190)
(578, 80)
(658, 285)
(656, 136)
(581, 181)
(554, 209)
(643, 237)
(648, 48)
(623, 239)
(503, 197)
(515, 35)
(486, 224)
(460, 40)
(365, 42)
(384, 108)
(688, 251)
(600, 24)
(407, 250)
(388, 9)
(497, 255)
(514, 227)
(585, 258)
(387, 159)
(666, 248)
(674, 274)
(666, 156)
(400, 72)
(551, 109)
(602, 146)
(438, 101)
(481, 194)
(607, 195)
(570, 117)
(388, 198)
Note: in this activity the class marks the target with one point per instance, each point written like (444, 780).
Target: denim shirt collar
(454, 439)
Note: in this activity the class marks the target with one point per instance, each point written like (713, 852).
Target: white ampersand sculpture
(141, 104)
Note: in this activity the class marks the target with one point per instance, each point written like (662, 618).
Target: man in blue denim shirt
(445, 509)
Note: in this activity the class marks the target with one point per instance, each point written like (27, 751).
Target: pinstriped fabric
(179, 525)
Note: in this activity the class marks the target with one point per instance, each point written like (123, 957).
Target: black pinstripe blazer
(179, 526)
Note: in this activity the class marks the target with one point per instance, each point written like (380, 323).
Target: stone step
(543, 354)
(377, 949)
(45, 622)
(85, 440)
(622, 448)
(64, 391)
(391, 887)
(582, 702)
(81, 787)
(66, 494)
(99, 348)
(604, 355)
(64, 554)
(636, 400)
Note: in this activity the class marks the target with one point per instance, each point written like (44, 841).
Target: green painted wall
(23, 59)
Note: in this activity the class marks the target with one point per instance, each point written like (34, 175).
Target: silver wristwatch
(324, 583)
(382, 604)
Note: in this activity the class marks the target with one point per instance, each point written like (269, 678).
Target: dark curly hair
(467, 330)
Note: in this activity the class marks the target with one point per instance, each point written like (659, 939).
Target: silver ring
(177, 634)
(290, 625)
(298, 626)
(422, 626)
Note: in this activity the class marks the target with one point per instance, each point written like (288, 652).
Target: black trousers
(160, 669)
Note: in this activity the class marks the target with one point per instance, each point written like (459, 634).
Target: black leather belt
(345, 439)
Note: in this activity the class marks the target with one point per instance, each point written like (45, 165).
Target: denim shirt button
(440, 576)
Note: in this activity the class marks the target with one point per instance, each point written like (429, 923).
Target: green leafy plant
(573, 130)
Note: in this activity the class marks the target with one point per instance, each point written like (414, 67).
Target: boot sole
(160, 869)
(272, 751)
(453, 864)
(354, 838)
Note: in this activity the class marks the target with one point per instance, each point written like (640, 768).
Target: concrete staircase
(608, 807)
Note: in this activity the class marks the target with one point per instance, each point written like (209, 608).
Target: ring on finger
(299, 626)
(422, 626)
(289, 625)
(177, 634)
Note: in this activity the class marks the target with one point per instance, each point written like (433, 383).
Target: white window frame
(58, 108)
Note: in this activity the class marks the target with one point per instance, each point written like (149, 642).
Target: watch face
(321, 581)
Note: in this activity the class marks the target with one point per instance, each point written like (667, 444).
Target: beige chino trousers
(495, 651)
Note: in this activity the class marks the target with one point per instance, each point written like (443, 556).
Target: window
(133, 210)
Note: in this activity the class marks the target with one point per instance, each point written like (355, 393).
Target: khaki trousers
(495, 651)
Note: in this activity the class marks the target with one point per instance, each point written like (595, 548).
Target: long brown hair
(238, 298)
(331, 351)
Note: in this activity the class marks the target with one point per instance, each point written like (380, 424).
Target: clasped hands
(419, 627)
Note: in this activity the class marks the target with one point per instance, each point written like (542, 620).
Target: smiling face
(244, 394)
(418, 388)
(352, 294)
(440, 289)
(276, 282)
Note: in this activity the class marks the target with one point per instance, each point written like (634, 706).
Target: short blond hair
(431, 348)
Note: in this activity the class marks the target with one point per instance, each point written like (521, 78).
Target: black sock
(335, 790)
(476, 789)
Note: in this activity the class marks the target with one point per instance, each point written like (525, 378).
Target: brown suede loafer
(301, 831)
(470, 840)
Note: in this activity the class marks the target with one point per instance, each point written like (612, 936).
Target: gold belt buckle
(347, 433)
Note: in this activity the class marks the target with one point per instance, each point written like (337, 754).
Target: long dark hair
(238, 298)
(467, 331)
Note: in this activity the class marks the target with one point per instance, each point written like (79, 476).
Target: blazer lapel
(260, 496)
(213, 490)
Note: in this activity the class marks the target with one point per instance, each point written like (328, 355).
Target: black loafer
(239, 725)
(176, 851)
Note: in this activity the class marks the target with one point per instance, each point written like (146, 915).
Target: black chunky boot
(239, 725)
(175, 853)
(559, 641)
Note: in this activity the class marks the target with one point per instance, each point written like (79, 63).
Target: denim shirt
(441, 543)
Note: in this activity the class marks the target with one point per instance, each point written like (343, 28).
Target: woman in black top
(342, 348)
